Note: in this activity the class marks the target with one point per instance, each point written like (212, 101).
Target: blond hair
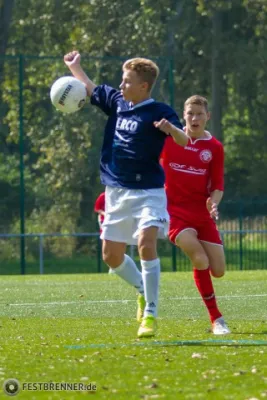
(198, 100)
(146, 70)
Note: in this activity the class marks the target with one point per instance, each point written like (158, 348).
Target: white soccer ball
(68, 94)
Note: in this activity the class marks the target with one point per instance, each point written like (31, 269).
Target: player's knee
(147, 249)
(217, 273)
(112, 259)
(200, 260)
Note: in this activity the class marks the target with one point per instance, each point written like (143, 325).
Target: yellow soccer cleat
(148, 327)
(141, 303)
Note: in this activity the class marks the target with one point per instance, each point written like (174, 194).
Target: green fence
(244, 236)
(49, 176)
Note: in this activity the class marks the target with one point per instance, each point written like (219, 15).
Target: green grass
(65, 328)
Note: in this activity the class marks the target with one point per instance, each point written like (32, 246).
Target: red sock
(204, 284)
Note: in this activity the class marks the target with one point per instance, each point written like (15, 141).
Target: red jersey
(100, 206)
(192, 173)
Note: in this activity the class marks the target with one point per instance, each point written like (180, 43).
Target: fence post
(171, 82)
(21, 168)
(241, 236)
(174, 266)
(132, 251)
(99, 251)
(41, 253)
(171, 88)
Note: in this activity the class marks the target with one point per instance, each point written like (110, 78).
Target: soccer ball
(68, 94)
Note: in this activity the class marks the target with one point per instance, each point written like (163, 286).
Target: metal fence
(81, 253)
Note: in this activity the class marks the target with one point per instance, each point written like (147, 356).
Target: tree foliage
(62, 152)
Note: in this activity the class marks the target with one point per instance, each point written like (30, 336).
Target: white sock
(129, 272)
(151, 273)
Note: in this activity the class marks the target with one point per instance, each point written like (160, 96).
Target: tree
(217, 49)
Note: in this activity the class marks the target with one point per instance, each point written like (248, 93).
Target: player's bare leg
(188, 242)
(147, 247)
(216, 258)
(113, 253)
(123, 265)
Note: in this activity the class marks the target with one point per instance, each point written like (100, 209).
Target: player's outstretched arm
(179, 136)
(73, 62)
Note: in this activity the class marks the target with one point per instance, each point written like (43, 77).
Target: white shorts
(128, 211)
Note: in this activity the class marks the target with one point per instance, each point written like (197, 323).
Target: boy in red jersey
(99, 208)
(194, 188)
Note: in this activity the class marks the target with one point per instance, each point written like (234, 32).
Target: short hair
(198, 100)
(147, 70)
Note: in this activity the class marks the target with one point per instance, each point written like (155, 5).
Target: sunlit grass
(81, 328)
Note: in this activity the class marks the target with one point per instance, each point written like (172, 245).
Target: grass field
(81, 329)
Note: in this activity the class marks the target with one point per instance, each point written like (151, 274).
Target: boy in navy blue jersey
(136, 211)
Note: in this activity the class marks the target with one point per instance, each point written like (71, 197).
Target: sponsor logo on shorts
(162, 220)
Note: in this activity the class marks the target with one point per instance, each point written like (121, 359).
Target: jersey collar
(194, 140)
(143, 103)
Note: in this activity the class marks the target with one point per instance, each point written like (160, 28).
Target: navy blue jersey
(132, 145)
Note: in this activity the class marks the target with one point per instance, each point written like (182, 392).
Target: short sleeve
(106, 98)
(171, 116)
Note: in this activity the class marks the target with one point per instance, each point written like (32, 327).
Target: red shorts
(206, 230)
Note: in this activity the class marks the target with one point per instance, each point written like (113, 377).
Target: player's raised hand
(163, 125)
(73, 58)
(212, 209)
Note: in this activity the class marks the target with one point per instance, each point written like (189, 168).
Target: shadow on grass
(250, 333)
(205, 342)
